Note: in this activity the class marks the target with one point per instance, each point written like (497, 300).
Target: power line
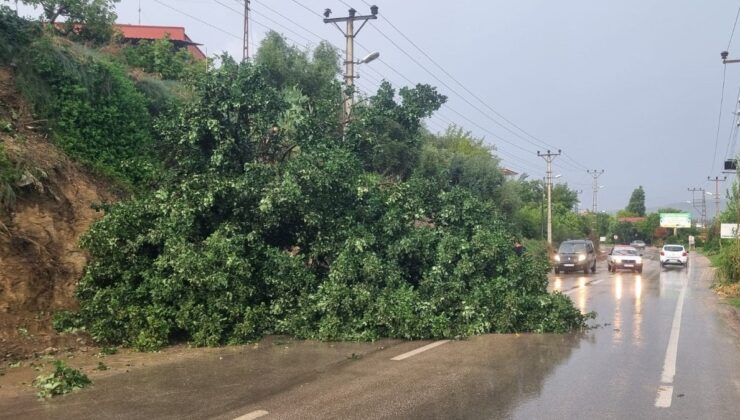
(719, 118)
(290, 20)
(198, 19)
(305, 7)
(734, 25)
(258, 23)
(471, 93)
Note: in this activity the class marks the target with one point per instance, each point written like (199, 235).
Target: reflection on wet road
(651, 356)
(643, 360)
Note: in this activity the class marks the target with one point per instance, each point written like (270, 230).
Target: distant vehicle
(624, 258)
(638, 244)
(576, 255)
(674, 254)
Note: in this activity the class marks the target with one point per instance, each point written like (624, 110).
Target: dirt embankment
(40, 257)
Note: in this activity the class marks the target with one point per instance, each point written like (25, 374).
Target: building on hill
(177, 35)
(508, 172)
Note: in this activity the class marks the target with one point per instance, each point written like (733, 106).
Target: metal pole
(716, 180)
(549, 157)
(542, 208)
(349, 61)
(595, 174)
(245, 39)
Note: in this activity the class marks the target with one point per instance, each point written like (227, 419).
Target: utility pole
(245, 50)
(578, 203)
(595, 174)
(349, 59)
(542, 208)
(716, 180)
(549, 157)
(703, 209)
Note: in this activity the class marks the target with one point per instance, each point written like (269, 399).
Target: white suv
(674, 254)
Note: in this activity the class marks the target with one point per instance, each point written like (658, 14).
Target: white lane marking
(671, 353)
(419, 350)
(665, 396)
(253, 415)
(591, 283)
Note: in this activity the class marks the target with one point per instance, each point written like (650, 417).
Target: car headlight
(557, 257)
(617, 260)
(581, 257)
(638, 260)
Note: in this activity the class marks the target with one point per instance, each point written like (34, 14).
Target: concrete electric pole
(701, 209)
(595, 174)
(349, 60)
(549, 157)
(245, 51)
(716, 180)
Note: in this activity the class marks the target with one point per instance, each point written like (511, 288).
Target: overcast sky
(631, 87)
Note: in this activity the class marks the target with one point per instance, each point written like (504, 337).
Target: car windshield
(625, 251)
(572, 248)
(673, 248)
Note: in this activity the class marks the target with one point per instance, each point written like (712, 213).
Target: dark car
(575, 255)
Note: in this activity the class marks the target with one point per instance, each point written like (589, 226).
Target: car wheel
(585, 270)
(593, 267)
(639, 270)
(557, 271)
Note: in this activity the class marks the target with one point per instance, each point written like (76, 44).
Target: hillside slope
(40, 260)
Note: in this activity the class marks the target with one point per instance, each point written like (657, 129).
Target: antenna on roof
(139, 12)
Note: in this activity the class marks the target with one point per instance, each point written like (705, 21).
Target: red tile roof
(176, 33)
(631, 219)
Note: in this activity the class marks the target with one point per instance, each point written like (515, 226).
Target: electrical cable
(734, 25)
(719, 118)
(289, 20)
(198, 19)
(471, 93)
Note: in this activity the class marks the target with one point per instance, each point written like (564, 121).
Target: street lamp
(368, 58)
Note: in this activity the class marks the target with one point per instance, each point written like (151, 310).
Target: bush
(15, 34)
(96, 113)
(9, 177)
(62, 381)
(251, 240)
(729, 264)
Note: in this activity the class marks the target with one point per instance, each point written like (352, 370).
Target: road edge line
(419, 350)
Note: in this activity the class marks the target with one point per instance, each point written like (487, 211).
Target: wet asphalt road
(662, 350)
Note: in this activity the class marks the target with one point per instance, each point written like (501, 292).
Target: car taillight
(662, 253)
(685, 254)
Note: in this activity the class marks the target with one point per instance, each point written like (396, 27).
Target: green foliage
(273, 226)
(64, 321)
(62, 381)
(163, 58)
(86, 20)
(15, 34)
(729, 263)
(9, 177)
(637, 202)
(626, 232)
(95, 112)
(456, 159)
(284, 66)
(386, 135)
